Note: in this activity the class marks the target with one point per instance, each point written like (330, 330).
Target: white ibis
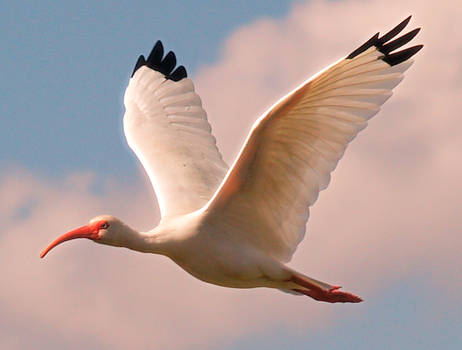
(238, 226)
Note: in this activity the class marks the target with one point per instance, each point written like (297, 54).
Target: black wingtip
(401, 56)
(140, 62)
(395, 31)
(156, 54)
(364, 47)
(401, 41)
(385, 46)
(168, 63)
(159, 63)
(178, 74)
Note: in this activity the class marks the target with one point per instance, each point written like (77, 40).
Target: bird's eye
(104, 225)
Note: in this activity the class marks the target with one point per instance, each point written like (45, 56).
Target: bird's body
(208, 251)
(213, 254)
(238, 226)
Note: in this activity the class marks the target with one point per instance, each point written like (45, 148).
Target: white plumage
(236, 227)
(167, 128)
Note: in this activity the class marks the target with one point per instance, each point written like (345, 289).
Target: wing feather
(293, 148)
(167, 128)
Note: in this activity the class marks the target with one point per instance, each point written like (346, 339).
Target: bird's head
(104, 229)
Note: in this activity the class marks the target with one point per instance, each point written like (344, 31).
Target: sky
(388, 228)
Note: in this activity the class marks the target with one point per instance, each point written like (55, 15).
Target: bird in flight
(237, 226)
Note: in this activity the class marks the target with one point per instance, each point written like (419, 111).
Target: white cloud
(393, 207)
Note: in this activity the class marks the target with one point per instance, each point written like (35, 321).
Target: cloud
(86, 295)
(392, 209)
(392, 203)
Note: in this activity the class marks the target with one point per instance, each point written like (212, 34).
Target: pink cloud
(395, 194)
(393, 206)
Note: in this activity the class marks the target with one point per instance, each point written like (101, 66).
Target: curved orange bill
(86, 231)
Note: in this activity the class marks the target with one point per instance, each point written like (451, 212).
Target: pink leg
(332, 295)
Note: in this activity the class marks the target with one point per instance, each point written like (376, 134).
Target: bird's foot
(333, 295)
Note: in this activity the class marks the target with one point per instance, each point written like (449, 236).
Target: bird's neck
(147, 242)
(166, 238)
(155, 241)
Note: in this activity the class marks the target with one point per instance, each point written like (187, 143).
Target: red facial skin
(90, 231)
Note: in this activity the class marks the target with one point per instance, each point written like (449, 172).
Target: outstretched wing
(292, 149)
(167, 128)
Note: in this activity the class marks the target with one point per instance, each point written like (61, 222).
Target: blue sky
(65, 66)
(395, 319)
